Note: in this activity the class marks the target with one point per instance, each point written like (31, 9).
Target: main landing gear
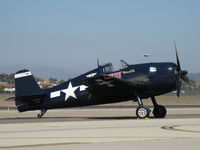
(159, 111)
(42, 112)
(144, 112)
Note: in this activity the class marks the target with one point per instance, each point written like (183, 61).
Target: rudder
(25, 84)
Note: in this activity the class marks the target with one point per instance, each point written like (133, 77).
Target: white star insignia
(83, 87)
(70, 91)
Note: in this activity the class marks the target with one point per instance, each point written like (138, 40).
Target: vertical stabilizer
(25, 84)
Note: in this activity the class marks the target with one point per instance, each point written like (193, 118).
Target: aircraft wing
(107, 86)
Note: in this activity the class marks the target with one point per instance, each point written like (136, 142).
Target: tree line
(9, 78)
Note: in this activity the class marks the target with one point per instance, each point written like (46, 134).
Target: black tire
(143, 112)
(39, 116)
(159, 111)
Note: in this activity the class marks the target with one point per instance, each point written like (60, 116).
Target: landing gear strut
(142, 111)
(43, 111)
(159, 111)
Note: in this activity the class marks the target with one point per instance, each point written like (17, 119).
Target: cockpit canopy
(107, 68)
(124, 64)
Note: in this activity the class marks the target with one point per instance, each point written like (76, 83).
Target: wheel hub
(142, 112)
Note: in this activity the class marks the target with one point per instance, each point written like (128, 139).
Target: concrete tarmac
(87, 129)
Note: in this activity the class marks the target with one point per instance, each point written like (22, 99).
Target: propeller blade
(178, 89)
(181, 73)
(186, 79)
(177, 59)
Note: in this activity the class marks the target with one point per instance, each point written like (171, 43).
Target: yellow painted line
(172, 128)
(143, 118)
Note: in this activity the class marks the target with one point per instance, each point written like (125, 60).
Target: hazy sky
(71, 34)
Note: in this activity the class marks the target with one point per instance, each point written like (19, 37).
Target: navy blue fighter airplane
(102, 86)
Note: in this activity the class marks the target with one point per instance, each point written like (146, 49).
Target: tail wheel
(42, 112)
(159, 111)
(39, 116)
(143, 112)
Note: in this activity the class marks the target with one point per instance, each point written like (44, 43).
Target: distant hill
(194, 76)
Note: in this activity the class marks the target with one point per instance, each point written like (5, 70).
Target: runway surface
(100, 129)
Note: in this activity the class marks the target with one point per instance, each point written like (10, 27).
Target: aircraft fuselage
(152, 79)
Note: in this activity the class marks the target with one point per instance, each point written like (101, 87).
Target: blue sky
(71, 34)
